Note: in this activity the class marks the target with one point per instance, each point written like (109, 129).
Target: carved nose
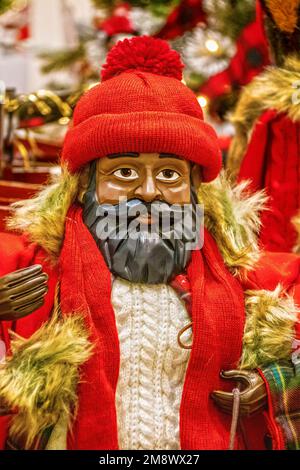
(148, 190)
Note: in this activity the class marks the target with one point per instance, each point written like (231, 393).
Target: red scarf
(218, 322)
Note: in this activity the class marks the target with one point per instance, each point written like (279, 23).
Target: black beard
(142, 259)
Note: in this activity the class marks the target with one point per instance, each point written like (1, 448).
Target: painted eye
(126, 174)
(168, 175)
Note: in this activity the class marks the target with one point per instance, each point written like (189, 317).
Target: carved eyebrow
(169, 155)
(135, 155)
(127, 154)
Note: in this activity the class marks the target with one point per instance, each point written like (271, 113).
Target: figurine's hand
(253, 396)
(22, 292)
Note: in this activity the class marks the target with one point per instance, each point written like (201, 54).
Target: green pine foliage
(60, 60)
(231, 16)
(158, 7)
(5, 5)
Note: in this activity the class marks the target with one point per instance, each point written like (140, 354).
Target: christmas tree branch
(5, 5)
(62, 59)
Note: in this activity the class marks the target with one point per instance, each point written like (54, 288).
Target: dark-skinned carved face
(142, 211)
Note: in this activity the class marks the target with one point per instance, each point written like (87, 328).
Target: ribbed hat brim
(144, 132)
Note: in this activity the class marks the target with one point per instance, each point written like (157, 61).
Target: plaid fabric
(284, 383)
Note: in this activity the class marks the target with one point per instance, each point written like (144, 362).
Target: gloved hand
(253, 395)
(22, 292)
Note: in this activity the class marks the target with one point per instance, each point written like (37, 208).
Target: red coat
(17, 253)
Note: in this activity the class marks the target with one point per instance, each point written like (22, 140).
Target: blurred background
(51, 51)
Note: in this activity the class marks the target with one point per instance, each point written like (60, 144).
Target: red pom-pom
(145, 54)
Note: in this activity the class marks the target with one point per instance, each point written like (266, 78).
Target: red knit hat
(141, 106)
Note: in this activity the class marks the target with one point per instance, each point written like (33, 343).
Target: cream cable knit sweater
(153, 366)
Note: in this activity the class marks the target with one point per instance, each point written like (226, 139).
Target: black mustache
(132, 205)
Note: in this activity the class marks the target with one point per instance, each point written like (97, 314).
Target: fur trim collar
(40, 378)
(269, 328)
(232, 216)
